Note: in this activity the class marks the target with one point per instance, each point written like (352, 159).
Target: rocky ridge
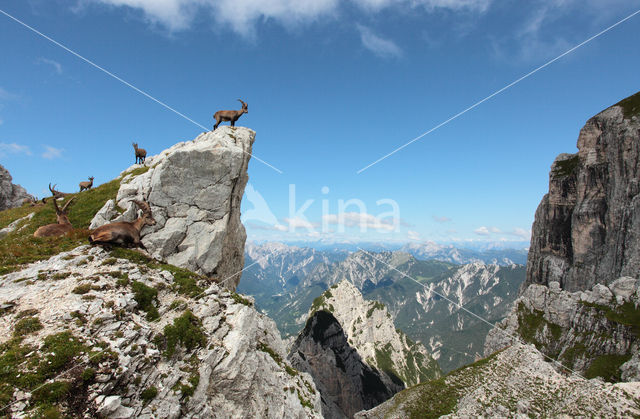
(593, 332)
(515, 382)
(91, 333)
(371, 331)
(587, 228)
(195, 190)
(11, 195)
(346, 383)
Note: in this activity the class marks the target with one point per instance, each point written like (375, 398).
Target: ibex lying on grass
(62, 227)
(231, 116)
(123, 233)
(87, 184)
(57, 194)
(141, 153)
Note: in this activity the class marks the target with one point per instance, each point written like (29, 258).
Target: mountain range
(424, 297)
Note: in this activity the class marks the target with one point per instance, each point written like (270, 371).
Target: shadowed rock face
(346, 384)
(587, 228)
(11, 195)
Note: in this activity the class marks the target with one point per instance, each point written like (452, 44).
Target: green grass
(145, 297)
(20, 247)
(26, 326)
(607, 367)
(185, 282)
(28, 368)
(630, 106)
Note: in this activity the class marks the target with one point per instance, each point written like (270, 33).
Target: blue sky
(331, 86)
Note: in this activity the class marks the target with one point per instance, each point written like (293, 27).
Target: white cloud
(5, 95)
(242, 15)
(521, 232)
(52, 152)
(381, 47)
(56, 65)
(441, 219)
(362, 220)
(476, 5)
(495, 230)
(13, 148)
(413, 235)
(299, 222)
(482, 231)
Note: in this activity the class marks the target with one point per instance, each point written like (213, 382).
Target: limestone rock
(587, 228)
(238, 370)
(346, 382)
(370, 330)
(515, 382)
(11, 195)
(194, 189)
(574, 330)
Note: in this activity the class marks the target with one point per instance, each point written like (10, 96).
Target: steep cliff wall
(195, 190)
(347, 384)
(587, 228)
(370, 330)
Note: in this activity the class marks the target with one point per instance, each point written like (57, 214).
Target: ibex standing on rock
(123, 233)
(62, 227)
(141, 153)
(87, 184)
(231, 116)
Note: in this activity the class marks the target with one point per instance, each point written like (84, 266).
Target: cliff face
(194, 190)
(11, 195)
(593, 332)
(587, 228)
(346, 383)
(370, 330)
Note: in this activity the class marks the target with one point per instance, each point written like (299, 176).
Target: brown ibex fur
(141, 153)
(123, 233)
(86, 184)
(57, 194)
(231, 116)
(62, 227)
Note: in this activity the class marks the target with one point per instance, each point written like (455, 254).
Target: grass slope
(20, 247)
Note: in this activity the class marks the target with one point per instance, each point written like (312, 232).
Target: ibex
(62, 227)
(123, 233)
(57, 194)
(141, 153)
(231, 116)
(87, 184)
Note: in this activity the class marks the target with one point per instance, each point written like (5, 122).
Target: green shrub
(149, 394)
(27, 325)
(145, 297)
(187, 331)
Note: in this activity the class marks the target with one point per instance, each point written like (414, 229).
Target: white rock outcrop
(194, 189)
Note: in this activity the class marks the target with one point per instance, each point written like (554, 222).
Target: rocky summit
(587, 228)
(354, 353)
(194, 189)
(346, 383)
(11, 195)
